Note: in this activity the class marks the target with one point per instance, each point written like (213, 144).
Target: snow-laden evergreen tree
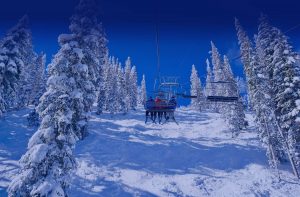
(232, 117)
(267, 37)
(64, 109)
(218, 71)
(234, 113)
(103, 63)
(264, 107)
(196, 90)
(16, 55)
(259, 89)
(209, 86)
(209, 80)
(101, 99)
(102, 51)
(286, 86)
(127, 84)
(217, 63)
(271, 51)
(119, 87)
(143, 92)
(33, 119)
(107, 75)
(111, 87)
(194, 81)
(95, 42)
(231, 88)
(266, 41)
(38, 80)
(121, 105)
(2, 101)
(228, 75)
(283, 72)
(242, 86)
(246, 58)
(114, 105)
(133, 94)
(28, 71)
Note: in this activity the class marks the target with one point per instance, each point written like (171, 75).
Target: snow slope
(124, 157)
(13, 142)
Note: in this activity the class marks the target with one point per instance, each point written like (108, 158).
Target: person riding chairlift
(172, 102)
(158, 102)
(150, 104)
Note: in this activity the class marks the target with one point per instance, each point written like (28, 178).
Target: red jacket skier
(157, 102)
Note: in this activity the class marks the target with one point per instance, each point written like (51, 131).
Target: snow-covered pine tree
(242, 86)
(246, 58)
(231, 88)
(196, 90)
(28, 71)
(16, 55)
(228, 75)
(33, 119)
(2, 101)
(111, 87)
(264, 106)
(101, 99)
(64, 109)
(218, 72)
(286, 86)
(209, 80)
(234, 112)
(267, 40)
(107, 81)
(242, 89)
(217, 63)
(194, 80)
(143, 92)
(270, 39)
(38, 80)
(102, 52)
(133, 88)
(85, 23)
(209, 88)
(232, 116)
(121, 90)
(115, 106)
(258, 83)
(127, 84)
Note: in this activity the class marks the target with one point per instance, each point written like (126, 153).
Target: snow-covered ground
(124, 157)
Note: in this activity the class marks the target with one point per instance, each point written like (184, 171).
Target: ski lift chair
(216, 95)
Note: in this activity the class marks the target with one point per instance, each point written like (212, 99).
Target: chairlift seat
(222, 98)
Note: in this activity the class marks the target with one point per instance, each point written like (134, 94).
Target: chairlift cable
(157, 52)
(292, 28)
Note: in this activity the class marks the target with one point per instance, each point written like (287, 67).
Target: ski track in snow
(124, 157)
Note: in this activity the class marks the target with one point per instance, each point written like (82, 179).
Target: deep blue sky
(185, 27)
